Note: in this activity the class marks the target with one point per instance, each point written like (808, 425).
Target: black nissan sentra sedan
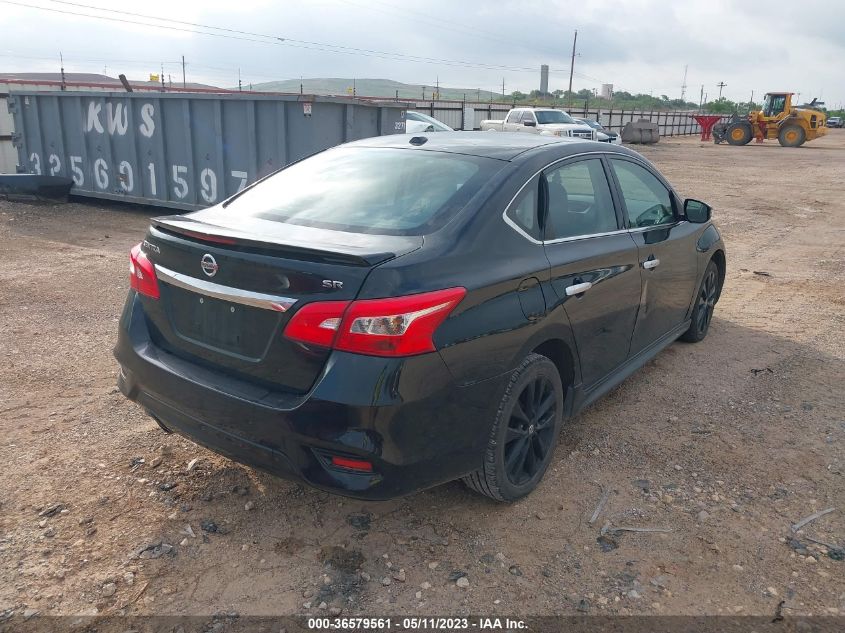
(403, 311)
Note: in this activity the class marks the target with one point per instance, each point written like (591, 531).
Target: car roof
(501, 145)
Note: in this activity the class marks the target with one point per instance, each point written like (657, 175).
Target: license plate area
(222, 325)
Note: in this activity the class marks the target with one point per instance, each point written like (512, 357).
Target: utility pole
(240, 86)
(162, 78)
(62, 65)
(684, 84)
(751, 100)
(437, 83)
(184, 83)
(721, 85)
(701, 98)
(503, 88)
(572, 67)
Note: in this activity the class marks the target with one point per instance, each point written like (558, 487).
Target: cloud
(638, 45)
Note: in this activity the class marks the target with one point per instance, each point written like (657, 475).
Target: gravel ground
(725, 444)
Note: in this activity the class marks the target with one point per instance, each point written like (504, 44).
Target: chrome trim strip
(574, 238)
(226, 293)
(668, 225)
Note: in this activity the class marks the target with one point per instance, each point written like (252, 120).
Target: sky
(636, 45)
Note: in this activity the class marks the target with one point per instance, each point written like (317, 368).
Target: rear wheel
(739, 133)
(705, 302)
(792, 135)
(524, 432)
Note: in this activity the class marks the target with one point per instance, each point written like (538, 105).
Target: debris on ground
(811, 518)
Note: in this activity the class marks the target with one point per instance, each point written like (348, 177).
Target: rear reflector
(360, 465)
(142, 275)
(396, 326)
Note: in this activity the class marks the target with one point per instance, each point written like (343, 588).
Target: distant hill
(370, 88)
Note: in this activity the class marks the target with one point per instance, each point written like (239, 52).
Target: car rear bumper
(406, 416)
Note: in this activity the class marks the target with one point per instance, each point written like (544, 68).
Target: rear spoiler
(186, 228)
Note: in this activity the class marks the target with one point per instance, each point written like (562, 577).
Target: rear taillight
(396, 326)
(316, 323)
(142, 275)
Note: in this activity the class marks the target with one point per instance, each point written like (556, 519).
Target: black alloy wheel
(705, 302)
(530, 434)
(524, 432)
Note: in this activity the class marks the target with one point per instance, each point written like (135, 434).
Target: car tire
(524, 432)
(705, 302)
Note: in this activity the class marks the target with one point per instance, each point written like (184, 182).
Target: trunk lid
(227, 292)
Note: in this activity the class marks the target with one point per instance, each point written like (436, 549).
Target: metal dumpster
(182, 151)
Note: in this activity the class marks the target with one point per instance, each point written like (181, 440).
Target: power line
(401, 12)
(267, 39)
(109, 60)
(263, 38)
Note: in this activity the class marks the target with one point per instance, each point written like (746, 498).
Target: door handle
(578, 289)
(651, 263)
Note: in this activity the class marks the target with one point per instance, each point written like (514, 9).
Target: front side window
(384, 191)
(527, 116)
(647, 200)
(774, 105)
(579, 201)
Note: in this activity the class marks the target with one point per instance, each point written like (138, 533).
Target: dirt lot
(725, 443)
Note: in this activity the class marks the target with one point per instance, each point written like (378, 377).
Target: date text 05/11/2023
(416, 624)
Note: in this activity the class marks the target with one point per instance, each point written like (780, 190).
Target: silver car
(416, 122)
(602, 135)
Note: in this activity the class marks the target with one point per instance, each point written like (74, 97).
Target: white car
(416, 122)
(602, 135)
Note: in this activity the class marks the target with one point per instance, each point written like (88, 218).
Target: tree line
(626, 101)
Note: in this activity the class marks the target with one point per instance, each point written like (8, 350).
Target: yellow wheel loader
(791, 125)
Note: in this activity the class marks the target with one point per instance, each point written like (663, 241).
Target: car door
(593, 263)
(668, 260)
(512, 123)
(528, 115)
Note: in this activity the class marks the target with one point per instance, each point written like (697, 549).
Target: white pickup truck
(545, 121)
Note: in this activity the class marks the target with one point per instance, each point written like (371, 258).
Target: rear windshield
(369, 190)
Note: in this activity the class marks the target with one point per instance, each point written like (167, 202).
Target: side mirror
(530, 123)
(696, 211)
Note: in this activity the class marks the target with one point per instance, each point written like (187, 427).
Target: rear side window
(513, 117)
(648, 202)
(523, 211)
(579, 201)
(384, 191)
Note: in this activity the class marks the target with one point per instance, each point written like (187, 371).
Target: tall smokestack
(544, 79)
